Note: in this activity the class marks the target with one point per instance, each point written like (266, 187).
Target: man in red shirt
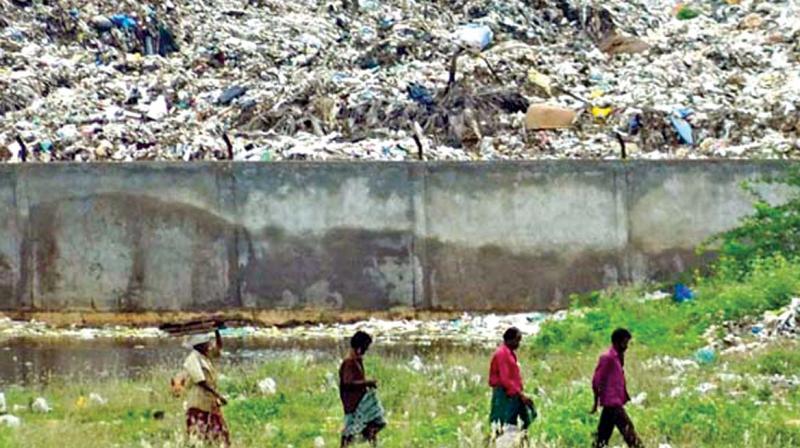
(611, 392)
(509, 402)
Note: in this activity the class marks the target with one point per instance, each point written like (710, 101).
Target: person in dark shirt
(363, 413)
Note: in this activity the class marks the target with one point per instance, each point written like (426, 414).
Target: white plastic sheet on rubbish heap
(369, 80)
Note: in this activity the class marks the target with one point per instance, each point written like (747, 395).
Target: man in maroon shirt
(611, 392)
(509, 402)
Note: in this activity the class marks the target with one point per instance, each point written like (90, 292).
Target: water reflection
(26, 362)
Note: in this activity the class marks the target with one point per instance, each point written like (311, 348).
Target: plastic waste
(511, 437)
(416, 364)
(102, 23)
(268, 386)
(230, 94)
(123, 21)
(475, 36)
(67, 133)
(3, 407)
(541, 80)
(601, 112)
(639, 399)
(40, 406)
(683, 128)
(682, 293)
(361, 60)
(547, 116)
(158, 109)
(97, 399)
(705, 355)
(705, 388)
(420, 94)
(685, 12)
(319, 442)
(10, 421)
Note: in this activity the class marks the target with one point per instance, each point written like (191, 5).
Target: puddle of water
(26, 362)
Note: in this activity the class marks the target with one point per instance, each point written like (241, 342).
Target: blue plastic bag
(682, 293)
(123, 21)
(420, 94)
(682, 127)
(705, 355)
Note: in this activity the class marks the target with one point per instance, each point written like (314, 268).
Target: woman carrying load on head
(204, 421)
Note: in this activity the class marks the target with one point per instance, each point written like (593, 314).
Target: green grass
(667, 327)
(446, 405)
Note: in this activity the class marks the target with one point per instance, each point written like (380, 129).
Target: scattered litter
(3, 407)
(41, 406)
(657, 295)
(10, 421)
(546, 116)
(231, 94)
(468, 329)
(158, 109)
(475, 36)
(268, 386)
(97, 399)
(416, 364)
(601, 112)
(676, 392)
(685, 12)
(541, 80)
(319, 442)
(639, 399)
(682, 293)
(512, 437)
(705, 355)
(748, 335)
(705, 388)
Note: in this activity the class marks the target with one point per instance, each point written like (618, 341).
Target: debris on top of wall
(397, 79)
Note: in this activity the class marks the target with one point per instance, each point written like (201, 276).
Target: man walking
(611, 393)
(510, 405)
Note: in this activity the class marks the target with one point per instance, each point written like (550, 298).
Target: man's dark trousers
(616, 416)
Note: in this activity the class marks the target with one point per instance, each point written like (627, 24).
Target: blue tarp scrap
(124, 21)
(682, 293)
(420, 94)
(682, 127)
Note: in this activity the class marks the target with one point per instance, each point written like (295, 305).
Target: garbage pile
(469, 329)
(266, 80)
(745, 335)
(14, 329)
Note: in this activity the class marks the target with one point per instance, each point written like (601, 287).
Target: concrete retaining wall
(473, 236)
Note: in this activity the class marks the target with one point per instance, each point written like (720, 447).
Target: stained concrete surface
(354, 236)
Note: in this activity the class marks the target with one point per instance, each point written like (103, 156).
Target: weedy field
(743, 394)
